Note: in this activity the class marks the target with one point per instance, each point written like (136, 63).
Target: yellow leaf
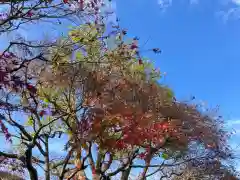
(29, 121)
(84, 146)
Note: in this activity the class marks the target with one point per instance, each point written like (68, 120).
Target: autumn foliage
(96, 94)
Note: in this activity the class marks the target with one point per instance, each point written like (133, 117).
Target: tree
(209, 169)
(15, 15)
(104, 103)
(10, 169)
(18, 13)
(8, 176)
(108, 106)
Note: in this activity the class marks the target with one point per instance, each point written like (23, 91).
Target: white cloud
(111, 7)
(164, 4)
(234, 127)
(230, 10)
(194, 2)
(232, 123)
(237, 2)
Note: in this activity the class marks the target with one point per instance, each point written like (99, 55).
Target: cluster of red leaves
(138, 134)
(143, 115)
(30, 14)
(147, 123)
(129, 112)
(8, 77)
(5, 131)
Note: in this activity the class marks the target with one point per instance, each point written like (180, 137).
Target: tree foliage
(104, 104)
(208, 169)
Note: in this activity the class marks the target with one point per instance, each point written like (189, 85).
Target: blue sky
(200, 42)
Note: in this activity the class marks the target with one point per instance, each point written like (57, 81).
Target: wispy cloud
(230, 10)
(237, 2)
(163, 4)
(194, 2)
(234, 127)
(111, 8)
(227, 9)
(230, 13)
(232, 123)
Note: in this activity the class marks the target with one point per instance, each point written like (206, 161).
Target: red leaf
(140, 61)
(142, 155)
(5, 132)
(165, 126)
(42, 113)
(31, 88)
(120, 144)
(81, 4)
(29, 14)
(134, 46)
(78, 166)
(65, 1)
(93, 170)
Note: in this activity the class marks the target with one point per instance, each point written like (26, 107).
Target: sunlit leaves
(30, 121)
(107, 97)
(164, 156)
(86, 34)
(45, 100)
(170, 93)
(79, 56)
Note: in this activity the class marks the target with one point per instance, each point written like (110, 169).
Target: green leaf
(116, 135)
(170, 93)
(68, 132)
(29, 121)
(76, 39)
(44, 105)
(46, 100)
(79, 55)
(164, 156)
(24, 101)
(32, 134)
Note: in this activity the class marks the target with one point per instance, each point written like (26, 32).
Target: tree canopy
(104, 104)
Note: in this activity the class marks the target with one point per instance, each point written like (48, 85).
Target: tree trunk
(125, 174)
(47, 166)
(32, 171)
